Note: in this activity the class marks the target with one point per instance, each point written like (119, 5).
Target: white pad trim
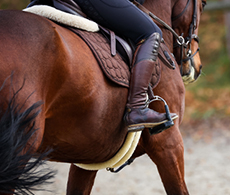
(120, 158)
(63, 17)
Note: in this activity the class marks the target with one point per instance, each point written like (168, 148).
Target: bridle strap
(179, 15)
(194, 15)
(189, 57)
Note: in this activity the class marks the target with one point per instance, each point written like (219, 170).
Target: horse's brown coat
(81, 118)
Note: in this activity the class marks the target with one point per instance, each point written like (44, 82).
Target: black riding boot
(138, 114)
(40, 2)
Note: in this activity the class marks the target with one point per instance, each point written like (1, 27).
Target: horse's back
(24, 40)
(23, 32)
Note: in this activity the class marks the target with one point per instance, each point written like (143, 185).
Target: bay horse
(55, 96)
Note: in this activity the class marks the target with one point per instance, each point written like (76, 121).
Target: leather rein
(184, 43)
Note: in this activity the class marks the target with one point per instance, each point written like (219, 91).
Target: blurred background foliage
(209, 96)
(14, 4)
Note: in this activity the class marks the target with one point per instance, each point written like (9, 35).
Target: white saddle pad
(63, 17)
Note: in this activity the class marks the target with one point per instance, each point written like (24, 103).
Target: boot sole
(141, 126)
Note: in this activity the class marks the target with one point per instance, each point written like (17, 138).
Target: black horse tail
(18, 163)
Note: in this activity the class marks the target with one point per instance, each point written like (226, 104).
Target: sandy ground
(207, 167)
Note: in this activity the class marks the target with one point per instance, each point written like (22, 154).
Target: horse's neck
(163, 10)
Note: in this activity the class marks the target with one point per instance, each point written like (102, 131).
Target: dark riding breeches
(120, 16)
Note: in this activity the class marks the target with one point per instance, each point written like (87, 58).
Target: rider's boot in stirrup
(138, 115)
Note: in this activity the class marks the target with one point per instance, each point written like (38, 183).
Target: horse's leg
(80, 181)
(167, 151)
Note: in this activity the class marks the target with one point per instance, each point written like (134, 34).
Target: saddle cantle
(115, 65)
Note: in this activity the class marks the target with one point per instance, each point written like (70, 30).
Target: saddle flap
(113, 66)
(166, 56)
